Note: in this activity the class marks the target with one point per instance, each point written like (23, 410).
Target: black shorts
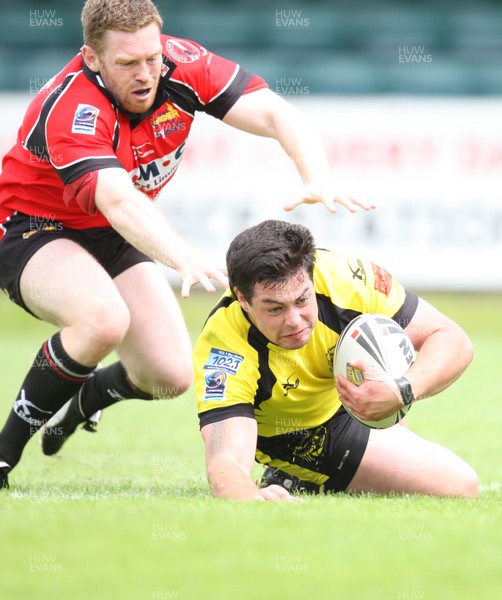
(332, 450)
(25, 235)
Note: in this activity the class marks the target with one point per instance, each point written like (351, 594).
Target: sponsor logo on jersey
(358, 271)
(215, 379)
(183, 51)
(167, 121)
(85, 119)
(28, 234)
(153, 175)
(223, 360)
(215, 386)
(220, 364)
(383, 280)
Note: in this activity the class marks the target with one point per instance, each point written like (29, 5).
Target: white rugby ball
(380, 340)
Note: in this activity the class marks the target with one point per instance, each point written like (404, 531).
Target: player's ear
(90, 58)
(242, 300)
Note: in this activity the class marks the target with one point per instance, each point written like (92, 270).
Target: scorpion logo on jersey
(311, 448)
(290, 386)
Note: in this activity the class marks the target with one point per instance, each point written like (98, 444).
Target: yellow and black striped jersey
(238, 372)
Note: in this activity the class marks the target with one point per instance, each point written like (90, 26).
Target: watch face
(406, 391)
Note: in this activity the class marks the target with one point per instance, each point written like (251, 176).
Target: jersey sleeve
(71, 129)
(80, 139)
(72, 126)
(226, 372)
(207, 81)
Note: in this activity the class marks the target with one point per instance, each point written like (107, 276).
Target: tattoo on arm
(216, 438)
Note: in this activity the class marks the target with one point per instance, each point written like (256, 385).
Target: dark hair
(270, 252)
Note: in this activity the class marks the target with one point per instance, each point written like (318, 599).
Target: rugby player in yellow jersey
(264, 376)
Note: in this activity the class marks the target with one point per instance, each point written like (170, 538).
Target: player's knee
(171, 382)
(107, 327)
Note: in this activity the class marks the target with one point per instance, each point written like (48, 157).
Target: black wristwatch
(405, 390)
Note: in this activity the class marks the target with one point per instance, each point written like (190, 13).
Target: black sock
(52, 380)
(106, 387)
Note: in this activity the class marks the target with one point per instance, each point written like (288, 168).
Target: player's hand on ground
(275, 493)
(376, 398)
(324, 194)
(202, 271)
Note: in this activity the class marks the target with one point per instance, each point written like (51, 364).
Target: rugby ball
(381, 341)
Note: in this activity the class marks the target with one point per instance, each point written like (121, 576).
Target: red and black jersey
(74, 126)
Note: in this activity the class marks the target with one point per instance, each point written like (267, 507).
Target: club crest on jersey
(182, 50)
(85, 119)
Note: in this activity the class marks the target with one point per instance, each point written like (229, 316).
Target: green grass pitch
(126, 513)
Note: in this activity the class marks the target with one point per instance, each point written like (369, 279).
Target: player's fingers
(342, 384)
(185, 287)
(292, 205)
(344, 201)
(273, 497)
(361, 364)
(220, 276)
(310, 200)
(196, 277)
(203, 279)
(276, 492)
(360, 203)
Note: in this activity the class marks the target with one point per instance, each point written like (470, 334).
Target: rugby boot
(64, 423)
(290, 482)
(4, 470)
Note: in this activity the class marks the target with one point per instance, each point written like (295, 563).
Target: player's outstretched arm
(265, 113)
(143, 225)
(230, 451)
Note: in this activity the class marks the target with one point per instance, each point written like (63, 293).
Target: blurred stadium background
(406, 95)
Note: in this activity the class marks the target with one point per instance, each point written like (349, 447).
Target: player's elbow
(216, 478)
(465, 349)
